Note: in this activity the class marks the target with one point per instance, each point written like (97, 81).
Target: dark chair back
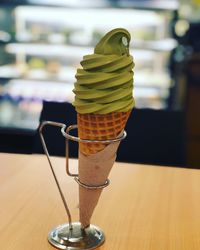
(154, 136)
(15, 140)
(57, 112)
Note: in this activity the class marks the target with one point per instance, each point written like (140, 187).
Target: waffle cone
(91, 155)
(99, 127)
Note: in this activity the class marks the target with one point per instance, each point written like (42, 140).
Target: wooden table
(144, 208)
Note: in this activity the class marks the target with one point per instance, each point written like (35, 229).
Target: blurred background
(43, 41)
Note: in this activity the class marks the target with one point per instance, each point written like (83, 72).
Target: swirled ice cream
(105, 81)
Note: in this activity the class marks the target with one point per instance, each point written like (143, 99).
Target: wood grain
(144, 208)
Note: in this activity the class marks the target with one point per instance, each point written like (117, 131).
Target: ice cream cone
(103, 101)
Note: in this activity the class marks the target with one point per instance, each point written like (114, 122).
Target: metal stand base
(76, 238)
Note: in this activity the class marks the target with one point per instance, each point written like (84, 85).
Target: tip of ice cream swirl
(105, 81)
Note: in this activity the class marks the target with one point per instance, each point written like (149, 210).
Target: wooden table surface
(144, 208)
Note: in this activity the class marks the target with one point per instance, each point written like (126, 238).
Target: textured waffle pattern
(99, 127)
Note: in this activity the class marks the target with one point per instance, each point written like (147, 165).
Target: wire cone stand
(72, 236)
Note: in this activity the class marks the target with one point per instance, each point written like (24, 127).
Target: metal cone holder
(72, 236)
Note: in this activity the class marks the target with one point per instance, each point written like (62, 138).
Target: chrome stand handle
(63, 126)
(67, 138)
